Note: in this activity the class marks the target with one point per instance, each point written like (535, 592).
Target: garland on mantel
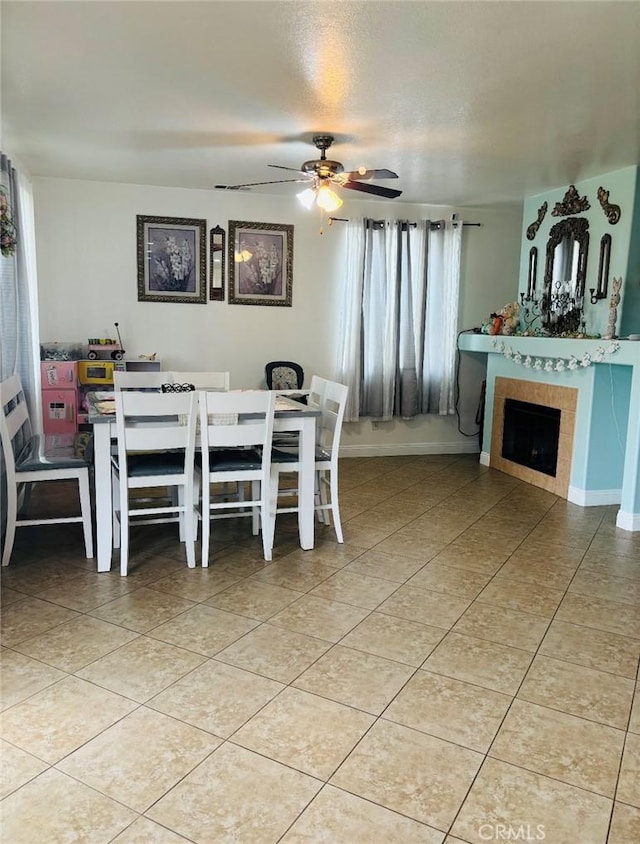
(546, 364)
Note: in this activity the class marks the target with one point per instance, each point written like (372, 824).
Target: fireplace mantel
(605, 466)
(628, 353)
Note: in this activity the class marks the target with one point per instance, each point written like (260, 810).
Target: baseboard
(593, 497)
(394, 450)
(628, 521)
(485, 458)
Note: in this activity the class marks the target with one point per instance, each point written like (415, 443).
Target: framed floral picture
(172, 259)
(260, 263)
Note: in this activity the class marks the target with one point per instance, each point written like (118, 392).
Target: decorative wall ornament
(532, 275)
(532, 230)
(614, 301)
(611, 212)
(572, 203)
(600, 292)
(556, 364)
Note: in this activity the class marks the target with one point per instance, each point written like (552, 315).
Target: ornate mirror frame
(217, 260)
(575, 228)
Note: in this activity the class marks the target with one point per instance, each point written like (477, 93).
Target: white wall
(86, 252)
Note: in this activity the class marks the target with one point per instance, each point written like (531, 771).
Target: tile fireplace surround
(599, 461)
(564, 399)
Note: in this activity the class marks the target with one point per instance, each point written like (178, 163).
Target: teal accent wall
(624, 191)
(608, 429)
(630, 323)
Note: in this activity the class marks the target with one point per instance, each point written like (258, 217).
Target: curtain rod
(435, 225)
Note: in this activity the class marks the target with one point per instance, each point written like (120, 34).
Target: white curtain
(397, 341)
(443, 288)
(19, 331)
(349, 366)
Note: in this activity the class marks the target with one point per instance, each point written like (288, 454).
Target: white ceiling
(469, 102)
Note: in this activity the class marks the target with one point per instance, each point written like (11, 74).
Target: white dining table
(290, 415)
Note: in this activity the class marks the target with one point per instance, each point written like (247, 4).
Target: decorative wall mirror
(532, 273)
(217, 256)
(600, 292)
(564, 275)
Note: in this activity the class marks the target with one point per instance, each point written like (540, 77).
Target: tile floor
(462, 669)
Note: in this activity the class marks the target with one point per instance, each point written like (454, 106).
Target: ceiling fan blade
(372, 174)
(255, 184)
(292, 169)
(377, 190)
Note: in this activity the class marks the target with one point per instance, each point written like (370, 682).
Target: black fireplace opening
(530, 435)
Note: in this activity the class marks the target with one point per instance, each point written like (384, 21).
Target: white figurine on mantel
(614, 301)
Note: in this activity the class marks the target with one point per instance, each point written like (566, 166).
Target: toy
(98, 345)
(510, 314)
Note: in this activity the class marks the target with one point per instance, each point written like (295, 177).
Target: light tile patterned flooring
(462, 669)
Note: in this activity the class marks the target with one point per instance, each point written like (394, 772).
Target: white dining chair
(330, 398)
(312, 398)
(156, 435)
(29, 459)
(202, 380)
(236, 430)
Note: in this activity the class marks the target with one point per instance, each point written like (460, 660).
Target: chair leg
(206, 519)
(115, 510)
(12, 515)
(85, 509)
(335, 509)
(268, 514)
(124, 531)
(188, 522)
(267, 538)
(196, 504)
(177, 500)
(255, 511)
(320, 498)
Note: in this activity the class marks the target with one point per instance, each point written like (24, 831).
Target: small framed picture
(172, 259)
(260, 263)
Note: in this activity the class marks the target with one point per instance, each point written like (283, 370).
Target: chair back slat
(155, 421)
(15, 426)
(234, 419)
(316, 391)
(333, 404)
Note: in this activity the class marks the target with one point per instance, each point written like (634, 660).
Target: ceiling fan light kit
(322, 195)
(323, 173)
(328, 199)
(307, 197)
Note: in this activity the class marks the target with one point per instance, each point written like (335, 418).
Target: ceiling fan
(321, 173)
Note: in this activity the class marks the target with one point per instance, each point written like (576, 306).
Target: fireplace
(532, 432)
(530, 435)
